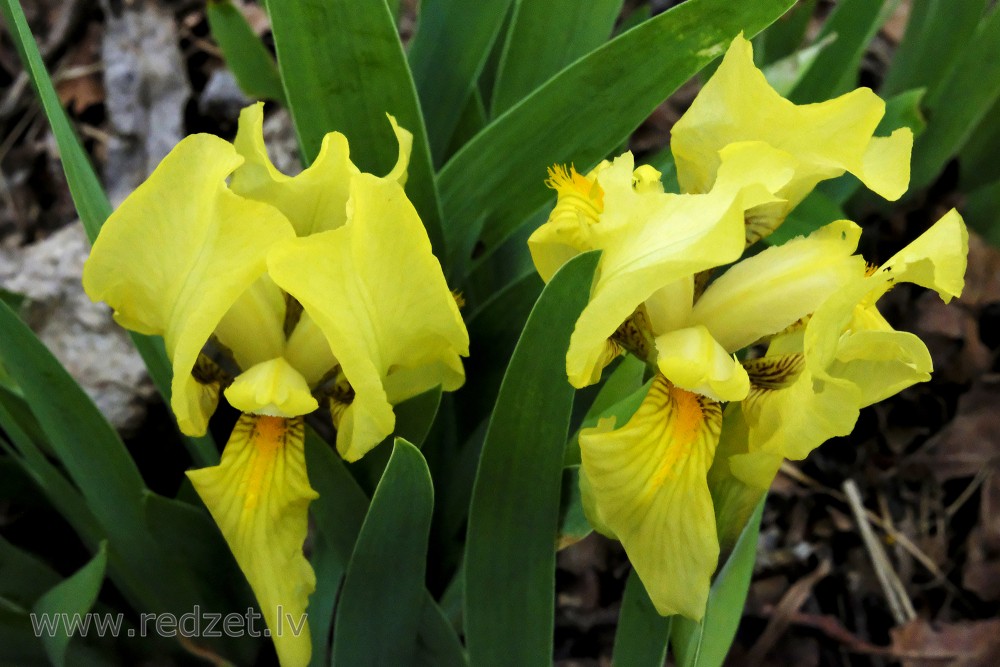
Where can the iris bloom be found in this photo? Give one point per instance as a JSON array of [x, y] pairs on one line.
[[290, 295], [745, 157]]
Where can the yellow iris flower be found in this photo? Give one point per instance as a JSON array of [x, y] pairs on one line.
[[291, 294], [745, 157]]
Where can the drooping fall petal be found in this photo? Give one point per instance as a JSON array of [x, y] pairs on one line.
[[646, 485], [177, 254], [259, 496]]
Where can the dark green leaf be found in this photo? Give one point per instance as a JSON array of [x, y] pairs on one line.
[[835, 70], [936, 34], [960, 103], [251, 63], [493, 331], [103, 470], [71, 597], [57, 489], [383, 595], [497, 180], [980, 211], [785, 74], [23, 577], [329, 574], [978, 162], [530, 55], [785, 35], [192, 541], [706, 644], [344, 68], [339, 512], [815, 211], [447, 54], [12, 299], [513, 519], [573, 524], [472, 120], [643, 635]]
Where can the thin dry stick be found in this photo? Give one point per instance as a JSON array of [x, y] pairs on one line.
[[895, 593], [895, 535]]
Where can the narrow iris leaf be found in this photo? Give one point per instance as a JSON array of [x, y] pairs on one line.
[[340, 512], [344, 68], [247, 58], [785, 35], [497, 180], [103, 470], [530, 55], [960, 103], [73, 596], [936, 34], [49, 479], [448, 52], [493, 331], [88, 196], [706, 644], [835, 70], [23, 577], [382, 599], [977, 159], [643, 635], [513, 519]]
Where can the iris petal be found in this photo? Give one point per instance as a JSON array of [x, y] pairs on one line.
[[693, 360], [316, 199], [177, 254], [259, 496], [824, 139], [766, 293], [646, 485]]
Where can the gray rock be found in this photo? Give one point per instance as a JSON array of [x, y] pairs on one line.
[[81, 334]]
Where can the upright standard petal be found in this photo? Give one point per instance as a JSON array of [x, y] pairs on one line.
[[177, 254], [768, 292], [824, 139], [259, 496], [316, 199], [380, 298], [646, 484]]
